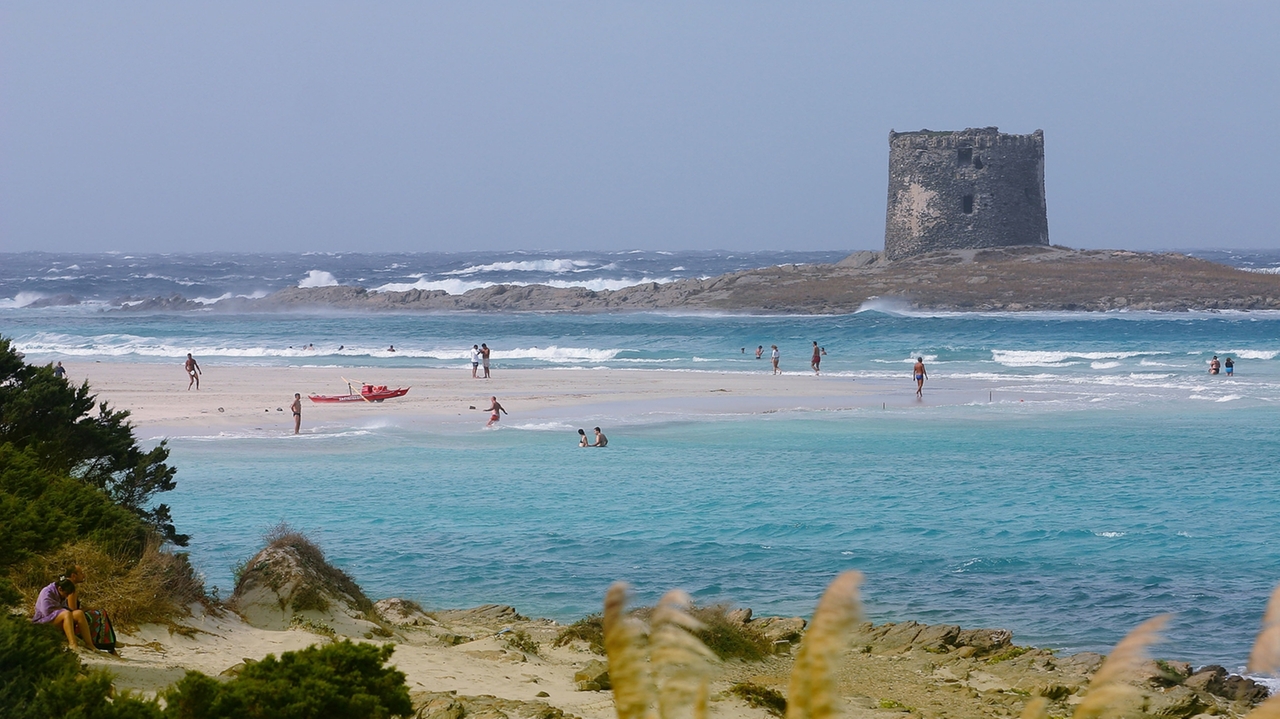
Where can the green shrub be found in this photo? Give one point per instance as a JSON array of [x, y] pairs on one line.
[[771, 700], [729, 639], [337, 681], [589, 629], [520, 641], [69, 434]]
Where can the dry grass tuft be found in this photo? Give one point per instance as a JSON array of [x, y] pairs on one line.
[[625, 643], [680, 660], [157, 587], [1265, 657], [1108, 693], [812, 692]]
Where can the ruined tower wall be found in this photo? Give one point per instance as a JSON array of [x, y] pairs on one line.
[[964, 190]]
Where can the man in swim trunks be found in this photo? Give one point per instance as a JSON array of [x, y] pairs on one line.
[[920, 376], [193, 371], [1229, 366], [297, 411], [601, 440], [494, 409], [475, 360], [484, 358], [759, 351], [1214, 365], [817, 358]]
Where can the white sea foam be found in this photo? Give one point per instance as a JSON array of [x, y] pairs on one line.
[[552, 266], [458, 287], [22, 299], [1104, 365], [1253, 354], [318, 278], [1042, 358], [1109, 535], [1263, 270]]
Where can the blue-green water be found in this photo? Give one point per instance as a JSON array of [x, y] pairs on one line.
[[1130, 483], [1067, 526]]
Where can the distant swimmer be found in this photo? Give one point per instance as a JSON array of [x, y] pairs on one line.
[[59, 371], [193, 371], [341, 347], [582, 438], [920, 376], [816, 362], [475, 360], [775, 356], [601, 440], [1214, 365], [297, 411], [392, 348], [494, 409], [759, 351], [1229, 366]]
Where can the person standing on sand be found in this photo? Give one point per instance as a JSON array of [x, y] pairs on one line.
[[817, 357], [494, 409], [297, 411], [920, 376], [484, 358], [59, 371], [193, 371], [601, 440], [1229, 366], [775, 356], [475, 361]]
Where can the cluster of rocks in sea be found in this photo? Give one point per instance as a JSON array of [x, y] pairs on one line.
[[936, 669], [999, 279]]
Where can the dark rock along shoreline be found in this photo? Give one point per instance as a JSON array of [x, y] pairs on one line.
[[1003, 279]]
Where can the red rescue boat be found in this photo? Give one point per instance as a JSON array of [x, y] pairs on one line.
[[368, 393]]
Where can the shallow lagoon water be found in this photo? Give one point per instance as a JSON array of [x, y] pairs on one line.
[[1067, 526]]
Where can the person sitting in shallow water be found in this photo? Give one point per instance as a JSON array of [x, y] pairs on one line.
[[582, 438]]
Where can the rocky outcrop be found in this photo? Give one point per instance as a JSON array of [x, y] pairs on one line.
[[1002, 279], [289, 583], [404, 613], [449, 705]]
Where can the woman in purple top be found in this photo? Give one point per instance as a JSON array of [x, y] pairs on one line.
[[51, 608]]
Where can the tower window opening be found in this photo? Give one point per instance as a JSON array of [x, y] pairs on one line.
[[964, 156], [966, 204], [977, 162]]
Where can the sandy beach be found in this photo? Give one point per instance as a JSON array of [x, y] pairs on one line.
[[233, 397]]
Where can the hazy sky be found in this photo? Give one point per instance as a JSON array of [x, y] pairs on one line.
[[566, 125]]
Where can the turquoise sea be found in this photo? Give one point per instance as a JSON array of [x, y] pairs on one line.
[[1105, 478]]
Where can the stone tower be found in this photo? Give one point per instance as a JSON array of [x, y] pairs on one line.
[[963, 190]]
